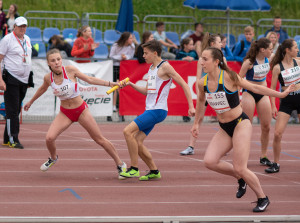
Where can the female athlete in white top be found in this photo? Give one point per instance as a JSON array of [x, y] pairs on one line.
[[73, 108]]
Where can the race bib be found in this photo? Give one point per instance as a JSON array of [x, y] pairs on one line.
[[291, 76], [63, 91], [261, 71], [151, 84], [218, 101]]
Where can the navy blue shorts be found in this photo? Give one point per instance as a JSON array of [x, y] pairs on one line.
[[149, 119]]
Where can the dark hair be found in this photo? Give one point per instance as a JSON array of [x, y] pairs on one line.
[[158, 24], [262, 43], [59, 40], [281, 51], [123, 38], [222, 36], [185, 41], [81, 30], [218, 55], [15, 11], [146, 36], [277, 17], [198, 23], [154, 46], [208, 39]]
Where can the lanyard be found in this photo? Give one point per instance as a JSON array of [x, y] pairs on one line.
[[22, 45]]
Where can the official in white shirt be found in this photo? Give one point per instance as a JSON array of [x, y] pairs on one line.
[[15, 58]]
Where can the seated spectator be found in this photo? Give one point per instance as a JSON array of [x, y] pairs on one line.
[[272, 36], [57, 42], [187, 51], [241, 48], [123, 49], [160, 35], [281, 33], [84, 45], [197, 37], [10, 18], [225, 49], [147, 36]]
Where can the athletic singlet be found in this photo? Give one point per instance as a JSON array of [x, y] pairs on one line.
[[158, 90], [289, 76], [258, 72], [222, 99], [67, 89]]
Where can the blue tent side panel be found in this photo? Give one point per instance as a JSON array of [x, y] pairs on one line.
[[125, 18]]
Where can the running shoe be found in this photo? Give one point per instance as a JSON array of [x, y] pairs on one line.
[[150, 176], [121, 169], [130, 173], [265, 161], [16, 145], [241, 189], [188, 151], [273, 169], [5, 143], [45, 166], [262, 204]]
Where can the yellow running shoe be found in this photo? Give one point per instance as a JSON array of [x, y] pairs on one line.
[[130, 173], [150, 176]]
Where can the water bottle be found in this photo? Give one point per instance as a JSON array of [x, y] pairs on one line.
[[70, 36]]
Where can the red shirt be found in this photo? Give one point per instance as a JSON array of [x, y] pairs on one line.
[[79, 51], [197, 38]]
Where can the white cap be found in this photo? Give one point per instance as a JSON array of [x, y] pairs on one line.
[[20, 21]]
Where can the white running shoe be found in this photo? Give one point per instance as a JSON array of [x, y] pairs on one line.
[[45, 166], [188, 151], [122, 168]]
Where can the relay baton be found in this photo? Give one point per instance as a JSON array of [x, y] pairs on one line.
[[117, 86]]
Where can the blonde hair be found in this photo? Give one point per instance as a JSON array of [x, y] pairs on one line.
[[249, 29], [272, 33]]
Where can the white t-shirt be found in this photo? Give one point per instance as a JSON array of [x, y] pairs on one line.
[[14, 53]]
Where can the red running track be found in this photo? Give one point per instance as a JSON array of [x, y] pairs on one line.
[[187, 188]]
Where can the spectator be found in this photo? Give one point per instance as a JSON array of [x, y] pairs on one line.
[[2, 18], [187, 51], [225, 49], [15, 55], [197, 37], [241, 48], [57, 42], [123, 49], [160, 35], [84, 45], [147, 36], [282, 34], [10, 18], [272, 36]]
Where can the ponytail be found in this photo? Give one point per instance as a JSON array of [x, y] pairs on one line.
[[281, 51], [262, 43]]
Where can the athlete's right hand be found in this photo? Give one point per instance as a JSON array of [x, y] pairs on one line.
[[27, 106], [2, 85], [274, 112], [195, 130]]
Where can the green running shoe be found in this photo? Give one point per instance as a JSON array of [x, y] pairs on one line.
[[150, 176], [130, 173]]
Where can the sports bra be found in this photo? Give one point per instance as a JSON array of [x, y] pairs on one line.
[[258, 72], [289, 76], [222, 99], [67, 89]]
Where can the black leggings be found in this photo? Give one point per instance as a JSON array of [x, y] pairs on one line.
[[229, 127]]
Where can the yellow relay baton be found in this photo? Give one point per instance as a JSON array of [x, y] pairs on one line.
[[116, 87]]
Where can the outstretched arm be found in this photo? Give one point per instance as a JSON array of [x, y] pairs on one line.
[[40, 91]]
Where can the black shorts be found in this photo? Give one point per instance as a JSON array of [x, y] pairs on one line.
[[290, 103], [256, 97], [116, 73], [229, 127]]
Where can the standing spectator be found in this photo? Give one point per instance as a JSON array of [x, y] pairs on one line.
[[272, 36], [57, 42], [123, 49], [2, 18], [10, 18], [15, 55], [187, 53], [241, 48], [282, 34], [160, 35], [84, 46], [197, 37], [225, 49], [147, 36]]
